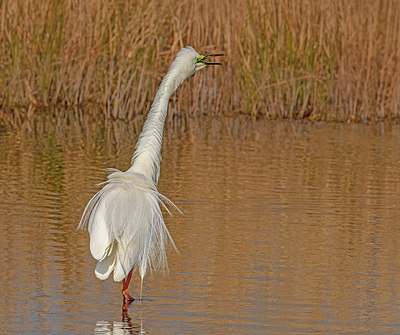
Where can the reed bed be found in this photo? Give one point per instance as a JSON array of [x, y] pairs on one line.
[[317, 59]]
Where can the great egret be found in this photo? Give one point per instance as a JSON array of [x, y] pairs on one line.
[[124, 219]]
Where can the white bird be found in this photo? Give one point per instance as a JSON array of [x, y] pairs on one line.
[[124, 219]]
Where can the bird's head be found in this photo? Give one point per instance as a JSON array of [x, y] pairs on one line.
[[189, 61]]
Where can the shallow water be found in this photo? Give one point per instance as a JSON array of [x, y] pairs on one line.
[[288, 228]]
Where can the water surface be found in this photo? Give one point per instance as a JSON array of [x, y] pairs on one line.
[[288, 228]]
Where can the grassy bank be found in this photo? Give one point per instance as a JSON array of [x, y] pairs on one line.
[[326, 60]]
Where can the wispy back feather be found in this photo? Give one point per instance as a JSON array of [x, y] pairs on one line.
[[126, 226]]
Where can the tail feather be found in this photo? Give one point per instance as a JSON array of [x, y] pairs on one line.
[[126, 226]]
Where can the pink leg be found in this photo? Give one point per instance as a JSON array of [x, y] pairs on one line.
[[125, 283]]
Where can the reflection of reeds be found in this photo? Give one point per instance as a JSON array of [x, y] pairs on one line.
[[319, 59]]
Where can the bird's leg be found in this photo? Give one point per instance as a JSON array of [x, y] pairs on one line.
[[125, 283]]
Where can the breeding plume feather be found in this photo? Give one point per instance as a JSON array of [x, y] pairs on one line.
[[124, 219]]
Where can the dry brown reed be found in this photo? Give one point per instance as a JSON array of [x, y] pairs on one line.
[[318, 59]]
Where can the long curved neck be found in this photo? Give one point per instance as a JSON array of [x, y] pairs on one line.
[[147, 156]]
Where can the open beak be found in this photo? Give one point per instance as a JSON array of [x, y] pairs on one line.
[[204, 60]]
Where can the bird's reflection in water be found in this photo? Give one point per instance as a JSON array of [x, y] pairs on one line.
[[125, 326]]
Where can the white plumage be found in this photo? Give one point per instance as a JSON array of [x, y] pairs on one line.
[[126, 226], [124, 219]]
